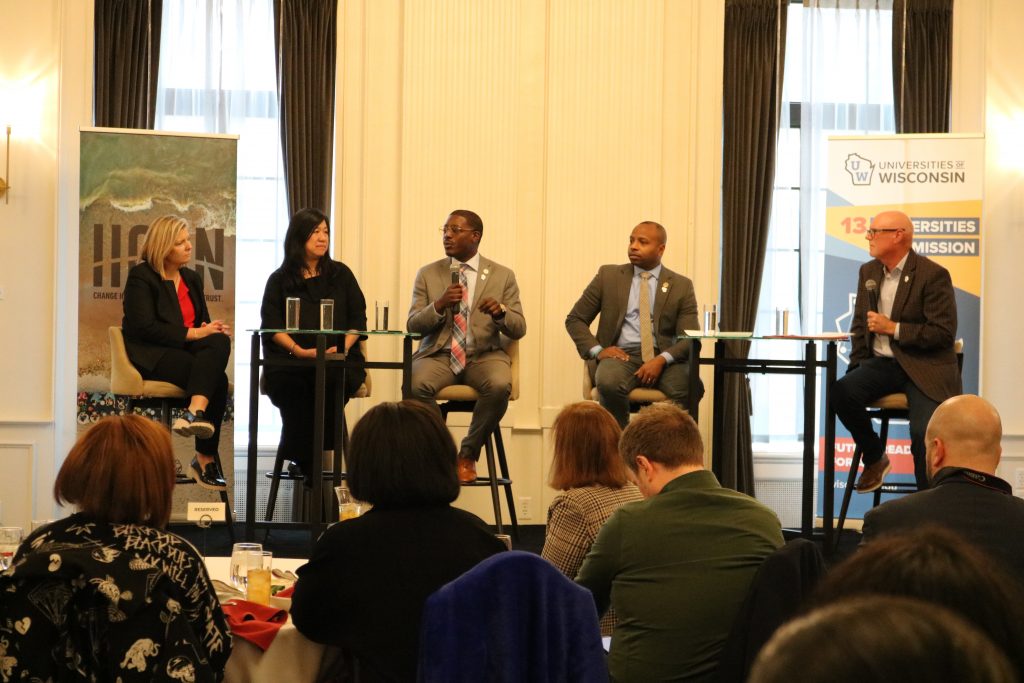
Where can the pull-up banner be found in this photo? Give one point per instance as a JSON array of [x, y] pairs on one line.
[[937, 181]]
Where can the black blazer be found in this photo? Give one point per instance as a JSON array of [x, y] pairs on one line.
[[152, 321], [980, 507]]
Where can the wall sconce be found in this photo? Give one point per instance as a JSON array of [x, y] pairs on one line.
[[7, 170]]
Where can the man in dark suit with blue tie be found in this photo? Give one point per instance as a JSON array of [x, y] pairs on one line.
[[644, 308]]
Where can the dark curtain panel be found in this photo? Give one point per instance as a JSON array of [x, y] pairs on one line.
[[922, 64], [755, 40], [305, 33], [127, 58]]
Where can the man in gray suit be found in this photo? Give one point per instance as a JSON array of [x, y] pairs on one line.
[[462, 305], [633, 349], [902, 336]]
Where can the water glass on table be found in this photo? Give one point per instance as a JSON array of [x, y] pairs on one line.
[[258, 573], [239, 567], [10, 539]]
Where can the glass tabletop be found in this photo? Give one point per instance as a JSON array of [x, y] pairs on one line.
[[368, 333], [722, 334]]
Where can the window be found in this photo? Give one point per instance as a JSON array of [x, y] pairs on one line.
[[838, 81], [217, 75]]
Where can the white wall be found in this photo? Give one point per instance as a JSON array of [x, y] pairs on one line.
[[561, 133]]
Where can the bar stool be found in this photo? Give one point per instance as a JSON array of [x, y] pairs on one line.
[[889, 407], [279, 473], [126, 380], [638, 397], [461, 398]]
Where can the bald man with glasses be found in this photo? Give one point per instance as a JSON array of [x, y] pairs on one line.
[[902, 335]]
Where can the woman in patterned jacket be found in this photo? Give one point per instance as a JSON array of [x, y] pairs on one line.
[[107, 594], [593, 481]]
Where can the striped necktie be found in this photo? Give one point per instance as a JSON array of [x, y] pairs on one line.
[[459, 322]]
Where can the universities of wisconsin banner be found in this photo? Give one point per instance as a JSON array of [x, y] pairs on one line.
[[128, 179], [937, 181]]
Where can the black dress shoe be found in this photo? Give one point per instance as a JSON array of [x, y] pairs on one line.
[[208, 477], [193, 424]]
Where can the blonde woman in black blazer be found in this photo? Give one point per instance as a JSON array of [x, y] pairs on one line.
[[169, 337]]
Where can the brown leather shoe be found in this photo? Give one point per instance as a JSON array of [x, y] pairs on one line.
[[467, 470], [873, 475]]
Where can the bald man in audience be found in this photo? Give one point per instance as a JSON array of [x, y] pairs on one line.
[[677, 566], [963, 453]]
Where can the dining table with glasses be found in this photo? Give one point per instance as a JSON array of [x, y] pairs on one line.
[[316, 523], [806, 366], [290, 656]]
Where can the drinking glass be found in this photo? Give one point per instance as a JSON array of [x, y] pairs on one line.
[[348, 507], [326, 314], [239, 568], [291, 313], [10, 539], [258, 572]]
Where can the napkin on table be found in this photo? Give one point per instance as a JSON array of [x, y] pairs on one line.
[[254, 622]]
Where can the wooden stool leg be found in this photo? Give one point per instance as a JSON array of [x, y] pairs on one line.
[[850, 481], [275, 482], [503, 467]]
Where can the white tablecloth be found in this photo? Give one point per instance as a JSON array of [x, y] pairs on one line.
[[291, 657]]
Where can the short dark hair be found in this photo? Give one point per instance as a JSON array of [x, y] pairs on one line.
[[937, 565], [474, 220], [662, 233], [121, 470], [300, 227], [663, 433], [877, 639], [402, 455], [586, 448]]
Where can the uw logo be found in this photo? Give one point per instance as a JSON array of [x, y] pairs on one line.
[[116, 249], [860, 169]]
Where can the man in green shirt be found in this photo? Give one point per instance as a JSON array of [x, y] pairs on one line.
[[676, 566]]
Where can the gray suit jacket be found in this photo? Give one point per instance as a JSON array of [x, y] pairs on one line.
[[493, 280], [675, 310], [925, 308]]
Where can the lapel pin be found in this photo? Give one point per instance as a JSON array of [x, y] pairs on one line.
[[906, 278], [664, 287]]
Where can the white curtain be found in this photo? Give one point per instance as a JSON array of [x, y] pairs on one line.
[[838, 80], [217, 75]]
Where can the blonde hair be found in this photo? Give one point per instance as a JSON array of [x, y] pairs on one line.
[[159, 241]]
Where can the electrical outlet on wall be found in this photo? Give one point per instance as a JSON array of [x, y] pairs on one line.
[[525, 507]]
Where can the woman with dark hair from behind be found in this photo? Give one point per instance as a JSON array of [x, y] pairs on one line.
[[309, 274], [591, 476], [365, 584], [879, 639], [941, 567], [107, 594]]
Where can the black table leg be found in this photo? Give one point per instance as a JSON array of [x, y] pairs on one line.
[[810, 393], [316, 504], [829, 452], [250, 471], [718, 420]]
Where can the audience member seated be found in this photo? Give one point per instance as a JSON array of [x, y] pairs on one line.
[[593, 482], [675, 567], [876, 639], [941, 567], [963, 452], [107, 594], [169, 337], [309, 274], [364, 587]]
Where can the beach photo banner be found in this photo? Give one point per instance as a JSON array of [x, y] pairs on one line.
[[128, 179], [938, 181]]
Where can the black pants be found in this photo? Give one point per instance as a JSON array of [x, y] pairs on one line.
[[199, 370], [869, 381], [293, 391]]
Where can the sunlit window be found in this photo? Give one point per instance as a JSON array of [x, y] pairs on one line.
[[217, 75]]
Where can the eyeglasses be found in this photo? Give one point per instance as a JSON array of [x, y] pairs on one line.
[[453, 230], [871, 232]]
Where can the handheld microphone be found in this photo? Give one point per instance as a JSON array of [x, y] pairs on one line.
[[454, 269], [872, 287]]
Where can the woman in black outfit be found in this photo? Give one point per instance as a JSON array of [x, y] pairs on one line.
[[310, 274], [169, 337], [364, 586]]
